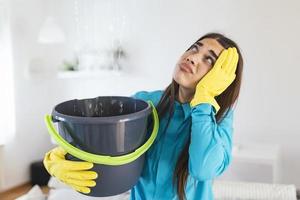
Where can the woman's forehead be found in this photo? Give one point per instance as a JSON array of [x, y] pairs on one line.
[[211, 44]]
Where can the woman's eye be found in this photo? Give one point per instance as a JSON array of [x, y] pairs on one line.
[[209, 60], [194, 48]]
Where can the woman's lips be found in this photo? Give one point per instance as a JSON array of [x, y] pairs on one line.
[[185, 67]]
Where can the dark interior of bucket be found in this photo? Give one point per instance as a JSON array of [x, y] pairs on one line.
[[101, 106]]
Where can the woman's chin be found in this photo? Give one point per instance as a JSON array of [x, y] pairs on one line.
[[181, 79]]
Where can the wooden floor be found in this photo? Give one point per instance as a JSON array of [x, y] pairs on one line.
[[19, 191]]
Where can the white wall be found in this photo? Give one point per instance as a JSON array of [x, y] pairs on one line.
[[157, 34]]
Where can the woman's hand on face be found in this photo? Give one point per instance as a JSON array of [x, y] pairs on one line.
[[217, 79]]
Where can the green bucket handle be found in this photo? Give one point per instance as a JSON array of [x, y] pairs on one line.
[[101, 159]]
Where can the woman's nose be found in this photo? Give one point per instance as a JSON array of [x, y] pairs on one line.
[[190, 60]]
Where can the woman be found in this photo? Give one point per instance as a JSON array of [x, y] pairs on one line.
[[194, 142]]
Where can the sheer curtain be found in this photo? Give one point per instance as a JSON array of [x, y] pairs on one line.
[[7, 102]]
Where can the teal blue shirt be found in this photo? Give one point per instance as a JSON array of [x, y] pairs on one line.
[[209, 152]]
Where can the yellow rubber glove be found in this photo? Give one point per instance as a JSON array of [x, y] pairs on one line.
[[217, 79], [72, 173]]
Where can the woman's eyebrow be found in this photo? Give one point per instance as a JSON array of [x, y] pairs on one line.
[[210, 51], [199, 43], [213, 54]]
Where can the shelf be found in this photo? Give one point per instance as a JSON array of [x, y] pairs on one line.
[[259, 153], [254, 162], [87, 74]]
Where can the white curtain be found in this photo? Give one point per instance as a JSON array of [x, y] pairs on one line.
[[7, 102]]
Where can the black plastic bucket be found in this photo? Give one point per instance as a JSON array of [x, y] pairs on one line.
[[110, 131]]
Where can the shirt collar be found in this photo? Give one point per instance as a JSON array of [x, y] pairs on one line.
[[185, 107]]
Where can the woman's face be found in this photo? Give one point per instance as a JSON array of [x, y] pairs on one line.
[[196, 62]]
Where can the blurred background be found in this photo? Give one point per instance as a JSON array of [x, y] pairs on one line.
[[52, 51]]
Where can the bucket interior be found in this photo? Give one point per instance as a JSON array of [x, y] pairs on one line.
[[101, 107]]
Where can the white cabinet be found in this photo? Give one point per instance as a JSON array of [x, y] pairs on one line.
[[254, 163]]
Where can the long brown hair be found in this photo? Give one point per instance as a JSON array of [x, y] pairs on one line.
[[226, 100]]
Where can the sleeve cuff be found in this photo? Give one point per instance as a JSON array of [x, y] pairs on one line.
[[205, 100], [205, 108]]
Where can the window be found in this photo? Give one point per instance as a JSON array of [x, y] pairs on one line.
[[7, 102]]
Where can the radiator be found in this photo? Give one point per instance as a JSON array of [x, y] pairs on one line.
[[227, 190]]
